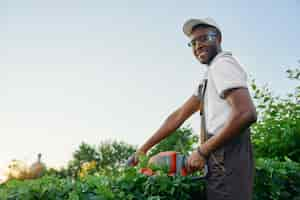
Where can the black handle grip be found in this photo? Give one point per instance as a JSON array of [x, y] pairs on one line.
[[131, 161], [197, 178]]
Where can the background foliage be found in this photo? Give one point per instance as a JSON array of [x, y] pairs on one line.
[[277, 133], [182, 140]]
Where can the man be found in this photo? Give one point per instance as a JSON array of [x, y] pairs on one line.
[[229, 112]]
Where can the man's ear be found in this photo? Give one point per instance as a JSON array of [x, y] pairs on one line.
[[219, 39]]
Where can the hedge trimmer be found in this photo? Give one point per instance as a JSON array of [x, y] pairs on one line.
[[175, 163]]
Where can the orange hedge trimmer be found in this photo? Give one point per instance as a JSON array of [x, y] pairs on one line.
[[175, 162]]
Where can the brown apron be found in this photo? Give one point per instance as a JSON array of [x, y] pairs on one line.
[[230, 167], [231, 177]]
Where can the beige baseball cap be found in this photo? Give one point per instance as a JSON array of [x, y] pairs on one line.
[[189, 24]]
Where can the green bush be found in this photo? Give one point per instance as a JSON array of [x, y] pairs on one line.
[[277, 180], [277, 132], [276, 135], [127, 185], [274, 180]]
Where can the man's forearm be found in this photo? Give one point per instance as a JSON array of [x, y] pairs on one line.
[[170, 125], [235, 124]]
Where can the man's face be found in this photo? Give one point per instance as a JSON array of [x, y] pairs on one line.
[[205, 44]]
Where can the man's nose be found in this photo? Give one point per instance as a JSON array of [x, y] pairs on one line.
[[198, 45]]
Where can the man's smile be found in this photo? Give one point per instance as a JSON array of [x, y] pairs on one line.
[[202, 54]]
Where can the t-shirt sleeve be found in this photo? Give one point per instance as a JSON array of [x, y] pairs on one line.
[[227, 74]]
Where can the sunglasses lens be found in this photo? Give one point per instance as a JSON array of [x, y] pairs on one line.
[[211, 36]]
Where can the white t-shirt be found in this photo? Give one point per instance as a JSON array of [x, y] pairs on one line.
[[222, 74]]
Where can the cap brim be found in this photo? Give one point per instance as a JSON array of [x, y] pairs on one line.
[[191, 23], [188, 25]]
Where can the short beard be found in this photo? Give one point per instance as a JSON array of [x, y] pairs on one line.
[[214, 52]]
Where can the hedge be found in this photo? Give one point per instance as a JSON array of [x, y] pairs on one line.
[[274, 180]]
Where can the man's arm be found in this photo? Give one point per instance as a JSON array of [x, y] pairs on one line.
[[172, 123], [242, 115]]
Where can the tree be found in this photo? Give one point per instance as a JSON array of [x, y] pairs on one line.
[[109, 155], [114, 153], [182, 140], [85, 153]]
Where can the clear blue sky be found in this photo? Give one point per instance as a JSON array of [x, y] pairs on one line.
[[90, 70]]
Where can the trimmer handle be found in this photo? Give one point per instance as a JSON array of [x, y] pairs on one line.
[[131, 161], [197, 178]]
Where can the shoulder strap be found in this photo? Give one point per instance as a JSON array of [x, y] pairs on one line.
[[203, 133], [201, 92]]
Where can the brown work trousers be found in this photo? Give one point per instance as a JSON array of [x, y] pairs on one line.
[[231, 170]]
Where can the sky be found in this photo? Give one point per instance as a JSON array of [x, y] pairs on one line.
[[75, 71]]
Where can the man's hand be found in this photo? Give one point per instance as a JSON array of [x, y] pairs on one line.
[[133, 160], [195, 162]]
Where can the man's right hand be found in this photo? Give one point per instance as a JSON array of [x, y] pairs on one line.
[[133, 160]]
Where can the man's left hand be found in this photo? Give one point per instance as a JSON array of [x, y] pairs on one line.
[[195, 162]]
